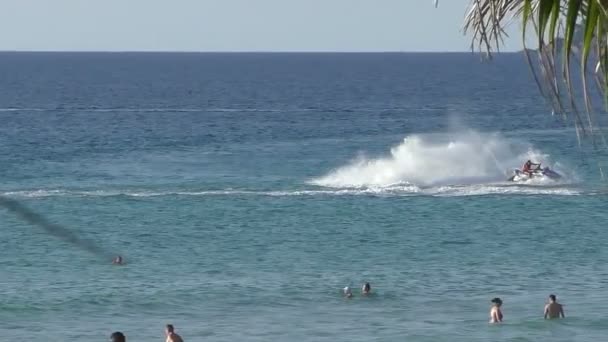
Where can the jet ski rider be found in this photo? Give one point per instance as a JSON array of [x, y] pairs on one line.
[[527, 168]]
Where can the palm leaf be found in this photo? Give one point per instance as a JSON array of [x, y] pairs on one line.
[[566, 30]]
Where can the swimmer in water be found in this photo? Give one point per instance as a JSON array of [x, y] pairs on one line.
[[171, 335], [347, 292], [118, 337], [495, 313], [117, 260], [366, 289], [554, 309]]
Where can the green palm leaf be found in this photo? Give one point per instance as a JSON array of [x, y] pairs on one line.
[[566, 30]]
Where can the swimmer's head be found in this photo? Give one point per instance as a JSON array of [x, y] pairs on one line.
[[552, 297], [497, 301], [118, 337], [348, 292], [169, 328], [367, 288]]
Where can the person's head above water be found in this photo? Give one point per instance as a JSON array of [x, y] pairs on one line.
[[117, 336], [552, 298], [497, 301], [348, 292], [367, 288], [169, 328], [117, 260]]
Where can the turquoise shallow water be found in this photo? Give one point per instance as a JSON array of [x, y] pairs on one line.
[[245, 191]]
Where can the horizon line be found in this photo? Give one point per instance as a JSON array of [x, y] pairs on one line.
[[259, 51]]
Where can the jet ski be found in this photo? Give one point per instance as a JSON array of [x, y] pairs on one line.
[[546, 172]]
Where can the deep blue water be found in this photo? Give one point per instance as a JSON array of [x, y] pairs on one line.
[[246, 190]]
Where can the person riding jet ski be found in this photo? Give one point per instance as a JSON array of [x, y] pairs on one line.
[[529, 167], [532, 170]]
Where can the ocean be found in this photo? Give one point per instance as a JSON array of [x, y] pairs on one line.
[[244, 191]]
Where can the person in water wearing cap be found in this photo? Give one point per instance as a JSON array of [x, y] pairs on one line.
[[495, 313], [348, 293], [366, 289], [553, 309]]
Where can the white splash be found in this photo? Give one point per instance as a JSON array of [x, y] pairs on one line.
[[442, 165], [435, 160]]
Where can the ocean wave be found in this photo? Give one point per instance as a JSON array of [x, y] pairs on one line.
[[10, 109], [228, 192], [389, 191], [482, 190]]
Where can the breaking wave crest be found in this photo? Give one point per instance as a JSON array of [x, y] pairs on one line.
[[392, 191]]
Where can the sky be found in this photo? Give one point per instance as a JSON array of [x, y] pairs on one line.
[[236, 25]]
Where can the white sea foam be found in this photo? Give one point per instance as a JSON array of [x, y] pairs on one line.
[[392, 191], [465, 164], [434, 161]]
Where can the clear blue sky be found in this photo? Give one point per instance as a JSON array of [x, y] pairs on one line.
[[235, 25]]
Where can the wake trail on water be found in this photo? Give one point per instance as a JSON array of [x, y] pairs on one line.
[[439, 161]]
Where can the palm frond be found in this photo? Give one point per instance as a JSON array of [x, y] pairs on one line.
[[566, 31]]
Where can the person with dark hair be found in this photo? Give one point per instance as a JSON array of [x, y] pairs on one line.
[[530, 167], [117, 336], [366, 289], [553, 309], [495, 312], [171, 335], [117, 260]]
